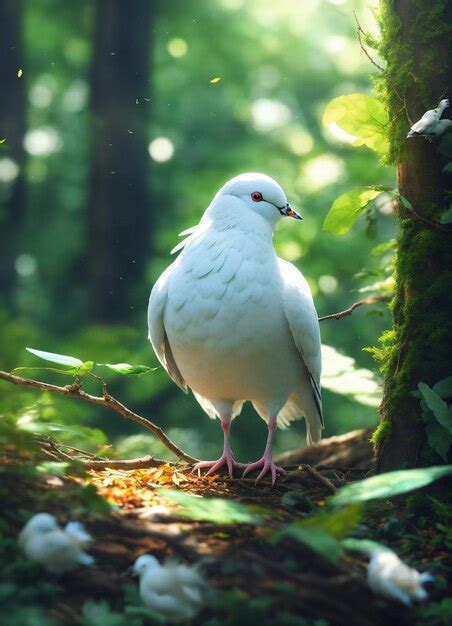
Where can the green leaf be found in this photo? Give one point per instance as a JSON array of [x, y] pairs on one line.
[[366, 546], [315, 538], [216, 510], [438, 407], [61, 359], [345, 209], [384, 247], [444, 387], [57, 468], [128, 370], [446, 217], [405, 202], [84, 368], [336, 523], [389, 484], [438, 439], [362, 116]]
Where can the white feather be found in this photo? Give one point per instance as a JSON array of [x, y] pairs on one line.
[[231, 321], [175, 590], [388, 576], [58, 550]]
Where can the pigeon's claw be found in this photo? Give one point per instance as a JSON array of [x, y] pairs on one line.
[[265, 464], [227, 458]]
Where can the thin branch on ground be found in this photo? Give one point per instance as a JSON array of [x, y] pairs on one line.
[[107, 400], [90, 462], [355, 305]]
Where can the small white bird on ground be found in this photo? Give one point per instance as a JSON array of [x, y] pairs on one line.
[[431, 124], [388, 576], [175, 590], [58, 549], [233, 322]]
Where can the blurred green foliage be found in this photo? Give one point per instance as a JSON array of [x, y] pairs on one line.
[[279, 65]]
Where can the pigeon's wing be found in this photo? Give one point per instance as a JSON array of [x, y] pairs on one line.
[[157, 332], [426, 123], [189, 234], [304, 325]]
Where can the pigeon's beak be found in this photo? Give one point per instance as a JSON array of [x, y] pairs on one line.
[[287, 210]]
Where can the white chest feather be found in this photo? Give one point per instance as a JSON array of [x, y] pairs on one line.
[[225, 318]]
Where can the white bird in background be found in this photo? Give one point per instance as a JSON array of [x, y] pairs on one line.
[[431, 124], [58, 549], [175, 590], [388, 576], [233, 322]]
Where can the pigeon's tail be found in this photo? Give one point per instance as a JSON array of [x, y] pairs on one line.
[[85, 559], [313, 429], [78, 534]]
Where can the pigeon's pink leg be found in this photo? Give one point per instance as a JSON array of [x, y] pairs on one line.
[[227, 458], [266, 462]]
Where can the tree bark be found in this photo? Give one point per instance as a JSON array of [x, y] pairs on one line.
[[118, 220], [416, 46], [12, 130]]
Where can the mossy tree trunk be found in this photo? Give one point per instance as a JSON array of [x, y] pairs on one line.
[[416, 47]]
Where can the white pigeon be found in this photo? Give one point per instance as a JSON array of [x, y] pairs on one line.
[[58, 549], [175, 590], [388, 576], [431, 124], [233, 322]]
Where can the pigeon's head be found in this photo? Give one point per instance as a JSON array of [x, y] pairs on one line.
[[261, 194], [443, 104], [145, 563], [41, 523]]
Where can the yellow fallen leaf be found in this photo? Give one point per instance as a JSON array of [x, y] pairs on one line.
[[215, 80], [19, 73], [3, 140]]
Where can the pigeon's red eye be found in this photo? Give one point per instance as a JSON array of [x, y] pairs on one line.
[[257, 196]]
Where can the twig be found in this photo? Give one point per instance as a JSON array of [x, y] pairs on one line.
[[107, 400], [445, 228], [323, 479], [91, 463], [360, 31], [355, 305]]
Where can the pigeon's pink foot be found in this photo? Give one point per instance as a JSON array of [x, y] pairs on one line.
[[267, 465], [227, 458]]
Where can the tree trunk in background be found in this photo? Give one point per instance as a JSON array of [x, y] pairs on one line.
[[119, 208], [12, 129], [416, 46]]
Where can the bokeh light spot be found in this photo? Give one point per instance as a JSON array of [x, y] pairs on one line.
[[177, 47], [269, 114], [25, 265], [42, 141], [327, 284], [9, 170], [161, 149]]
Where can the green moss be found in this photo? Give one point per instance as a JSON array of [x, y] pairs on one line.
[[406, 74], [381, 433], [415, 349]]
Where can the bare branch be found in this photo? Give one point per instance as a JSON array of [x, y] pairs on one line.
[[107, 400], [355, 305], [360, 31], [445, 228]]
